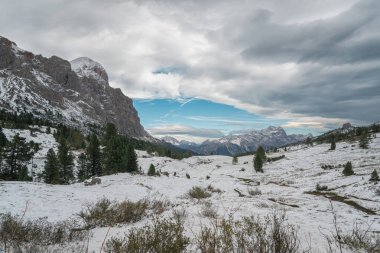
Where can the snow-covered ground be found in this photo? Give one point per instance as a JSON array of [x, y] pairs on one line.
[[283, 184]]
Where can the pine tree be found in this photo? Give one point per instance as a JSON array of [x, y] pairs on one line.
[[3, 139], [115, 155], [348, 171], [258, 163], [364, 140], [234, 160], [152, 170], [16, 153], [309, 141], [51, 169], [374, 176], [48, 130], [110, 131], [131, 159], [94, 156], [23, 175], [3, 143], [261, 152], [84, 169], [333, 144], [66, 162]]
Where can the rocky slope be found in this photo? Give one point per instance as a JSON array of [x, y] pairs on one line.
[[239, 143], [76, 93]]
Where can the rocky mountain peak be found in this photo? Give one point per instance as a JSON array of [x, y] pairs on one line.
[[85, 67], [75, 93]]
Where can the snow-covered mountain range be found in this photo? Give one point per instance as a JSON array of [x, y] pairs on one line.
[[75, 93], [240, 142]]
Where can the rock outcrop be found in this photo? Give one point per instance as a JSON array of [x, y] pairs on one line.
[[76, 93]]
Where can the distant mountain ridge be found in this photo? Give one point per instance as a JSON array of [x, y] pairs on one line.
[[75, 93], [235, 143]]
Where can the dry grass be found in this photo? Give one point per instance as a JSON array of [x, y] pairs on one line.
[[208, 210], [267, 235], [108, 213], [17, 235], [162, 236], [198, 193]]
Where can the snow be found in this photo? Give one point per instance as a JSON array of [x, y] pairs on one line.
[[45, 140], [285, 180], [85, 67]]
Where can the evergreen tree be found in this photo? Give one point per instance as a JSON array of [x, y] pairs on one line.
[[152, 170], [115, 155], [110, 131], [333, 144], [258, 163], [261, 152], [23, 175], [364, 140], [66, 162], [3, 143], [348, 171], [374, 176], [16, 153], [94, 156], [48, 130], [309, 141], [84, 169], [131, 159], [51, 169], [3, 139], [234, 160]]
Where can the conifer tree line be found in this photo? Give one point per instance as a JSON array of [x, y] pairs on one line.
[[361, 134], [102, 152], [108, 154]]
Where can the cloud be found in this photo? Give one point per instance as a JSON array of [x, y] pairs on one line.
[[307, 61], [173, 130]]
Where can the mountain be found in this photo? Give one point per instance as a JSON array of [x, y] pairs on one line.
[[241, 142], [75, 93]]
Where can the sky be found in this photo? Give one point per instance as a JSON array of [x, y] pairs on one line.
[[201, 69]]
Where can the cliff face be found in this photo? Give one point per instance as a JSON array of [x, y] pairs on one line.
[[76, 93]]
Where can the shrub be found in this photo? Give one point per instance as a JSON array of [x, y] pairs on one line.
[[17, 235], [250, 234], [158, 206], [273, 159], [321, 187], [198, 193], [152, 170], [212, 189], [209, 211], [254, 192], [160, 237], [358, 239], [348, 171], [374, 176], [234, 160], [107, 213]]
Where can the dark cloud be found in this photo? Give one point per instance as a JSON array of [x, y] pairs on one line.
[[304, 60]]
